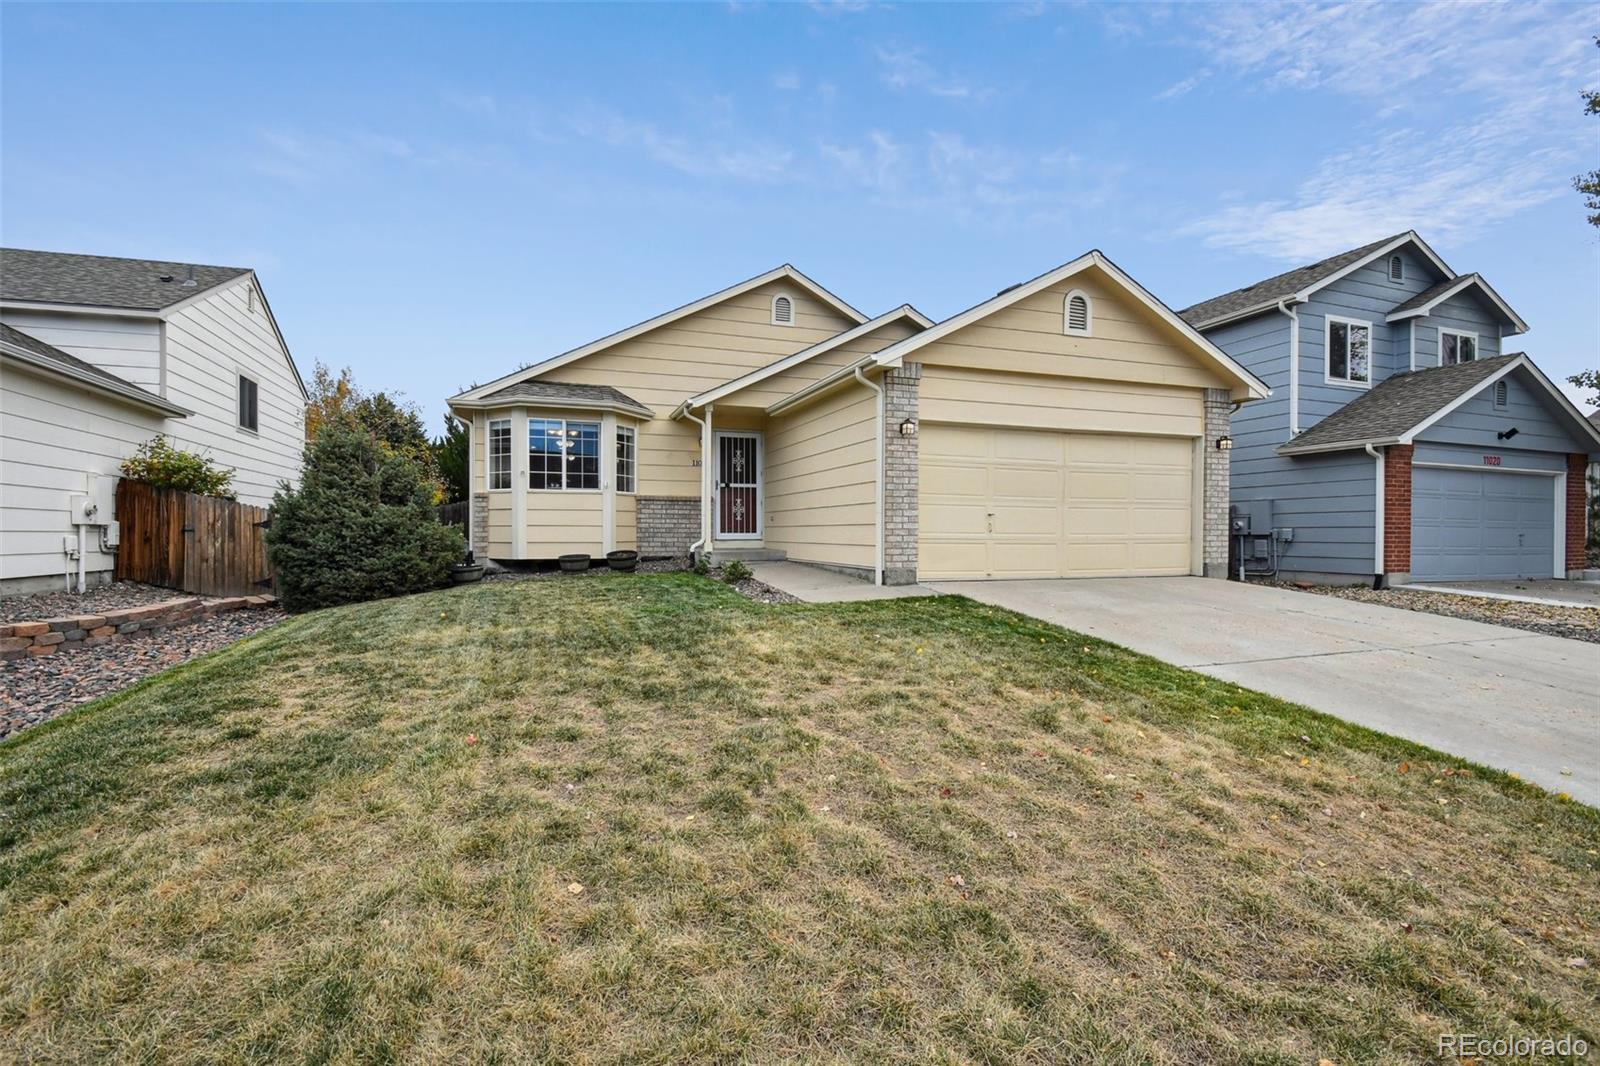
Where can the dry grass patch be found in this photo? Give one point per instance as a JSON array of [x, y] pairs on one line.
[[641, 819]]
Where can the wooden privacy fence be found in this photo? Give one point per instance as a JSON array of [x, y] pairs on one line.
[[199, 544], [453, 514]]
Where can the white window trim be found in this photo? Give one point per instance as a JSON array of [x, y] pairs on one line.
[[1066, 314], [599, 440], [1327, 352], [1477, 352], [239, 427], [488, 456], [794, 308], [633, 438]]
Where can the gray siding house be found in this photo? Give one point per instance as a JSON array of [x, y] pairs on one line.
[[1401, 441]]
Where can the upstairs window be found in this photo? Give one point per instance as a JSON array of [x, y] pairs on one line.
[[563, 455], [1078, 314], [1397, 268], [249, 413], [1349, 352], [782, 311], [627, 455], [1456, 347], [500, 453]]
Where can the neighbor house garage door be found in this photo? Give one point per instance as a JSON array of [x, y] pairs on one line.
[[1028, 503], [1468, 524]]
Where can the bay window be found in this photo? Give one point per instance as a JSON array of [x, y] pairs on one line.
[[626, 458], [500, 453], [562, 454]]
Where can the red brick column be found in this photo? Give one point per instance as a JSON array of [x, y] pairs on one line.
[[1397, 509], [1577, 478]]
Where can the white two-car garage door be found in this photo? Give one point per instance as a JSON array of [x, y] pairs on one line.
[[1021, 503], [1481, 524]]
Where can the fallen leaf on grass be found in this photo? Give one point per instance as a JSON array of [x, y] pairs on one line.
[[1405, 768], [472, 738], [957, 880], [574, 889]]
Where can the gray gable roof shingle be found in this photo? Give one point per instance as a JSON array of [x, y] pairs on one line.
[[1396, 406], [1277, 287], [51, 356], [556, 392], [104, 281], [1426, 295]]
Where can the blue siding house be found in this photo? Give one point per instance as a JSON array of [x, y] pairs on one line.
[[1401, 441]]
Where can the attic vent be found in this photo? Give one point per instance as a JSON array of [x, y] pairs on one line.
[[189, 281], [167, 278], [782, 311], [1079, 316], [1502, 396], [1397, 268]]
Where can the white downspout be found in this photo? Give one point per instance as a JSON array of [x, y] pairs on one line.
[[1294, 368], [1377, 533], [877, 559], [705, 466]]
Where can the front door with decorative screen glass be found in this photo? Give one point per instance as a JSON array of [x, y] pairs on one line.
[[738, 486]]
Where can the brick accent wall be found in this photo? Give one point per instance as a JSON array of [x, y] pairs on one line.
[[480, 526], [667, 525], [1577, 478], [900, 389], [1219, 414], [1397, 508]]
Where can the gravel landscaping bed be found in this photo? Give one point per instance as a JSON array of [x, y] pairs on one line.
[[1576, 623], [118, 596], [34, 690]]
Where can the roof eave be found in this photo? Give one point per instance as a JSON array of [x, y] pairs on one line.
[[1470, 281], [552, 403], [82, 309], [132, 394], [1289, 450]]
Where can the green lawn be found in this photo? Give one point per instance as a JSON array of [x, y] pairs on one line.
[[637, 819]]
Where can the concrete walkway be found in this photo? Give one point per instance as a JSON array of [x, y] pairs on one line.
[[1518, 701], [816, 585], [1548, 591]]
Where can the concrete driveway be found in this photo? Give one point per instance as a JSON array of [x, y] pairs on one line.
[[1502, 697]]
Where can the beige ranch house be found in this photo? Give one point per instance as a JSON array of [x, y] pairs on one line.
[[1072, 426]]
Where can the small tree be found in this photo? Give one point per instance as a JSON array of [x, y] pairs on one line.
[[160, 464], [450, 459], [361, 526], [1588, 185]]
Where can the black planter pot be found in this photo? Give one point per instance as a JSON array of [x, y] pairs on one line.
[[574, 564], [466, 573], [622, 560]]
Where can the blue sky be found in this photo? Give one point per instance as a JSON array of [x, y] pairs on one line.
[[435, 195]]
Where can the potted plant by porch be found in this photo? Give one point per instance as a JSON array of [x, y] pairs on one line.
[[622, 560], [574, 564]]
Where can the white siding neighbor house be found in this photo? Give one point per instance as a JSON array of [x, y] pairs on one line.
[[99, 355]]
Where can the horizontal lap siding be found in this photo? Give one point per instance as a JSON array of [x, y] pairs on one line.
[[1464, 313], [565, 523], [130, 348], [1477, 424], [53, 437], [821, 480], [771, 390], [952, 394], [210, 343], [500, 542], [666, 366], [627, 522]]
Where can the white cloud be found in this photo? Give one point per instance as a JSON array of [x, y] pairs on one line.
[[786, 80], [1181, 88], [905, 69], [753, 160], [1470, 108]]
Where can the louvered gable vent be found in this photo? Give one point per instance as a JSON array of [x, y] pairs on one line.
[[1077, 313], [782, 311]]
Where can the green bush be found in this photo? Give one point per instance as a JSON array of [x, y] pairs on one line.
[[735, 572], [160, 464], [361, 526], [702, 565]]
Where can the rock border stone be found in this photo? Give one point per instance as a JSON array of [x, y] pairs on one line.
[[74, 632]]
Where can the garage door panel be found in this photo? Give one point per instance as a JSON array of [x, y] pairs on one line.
[[1468, 524], [1004, 502]]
